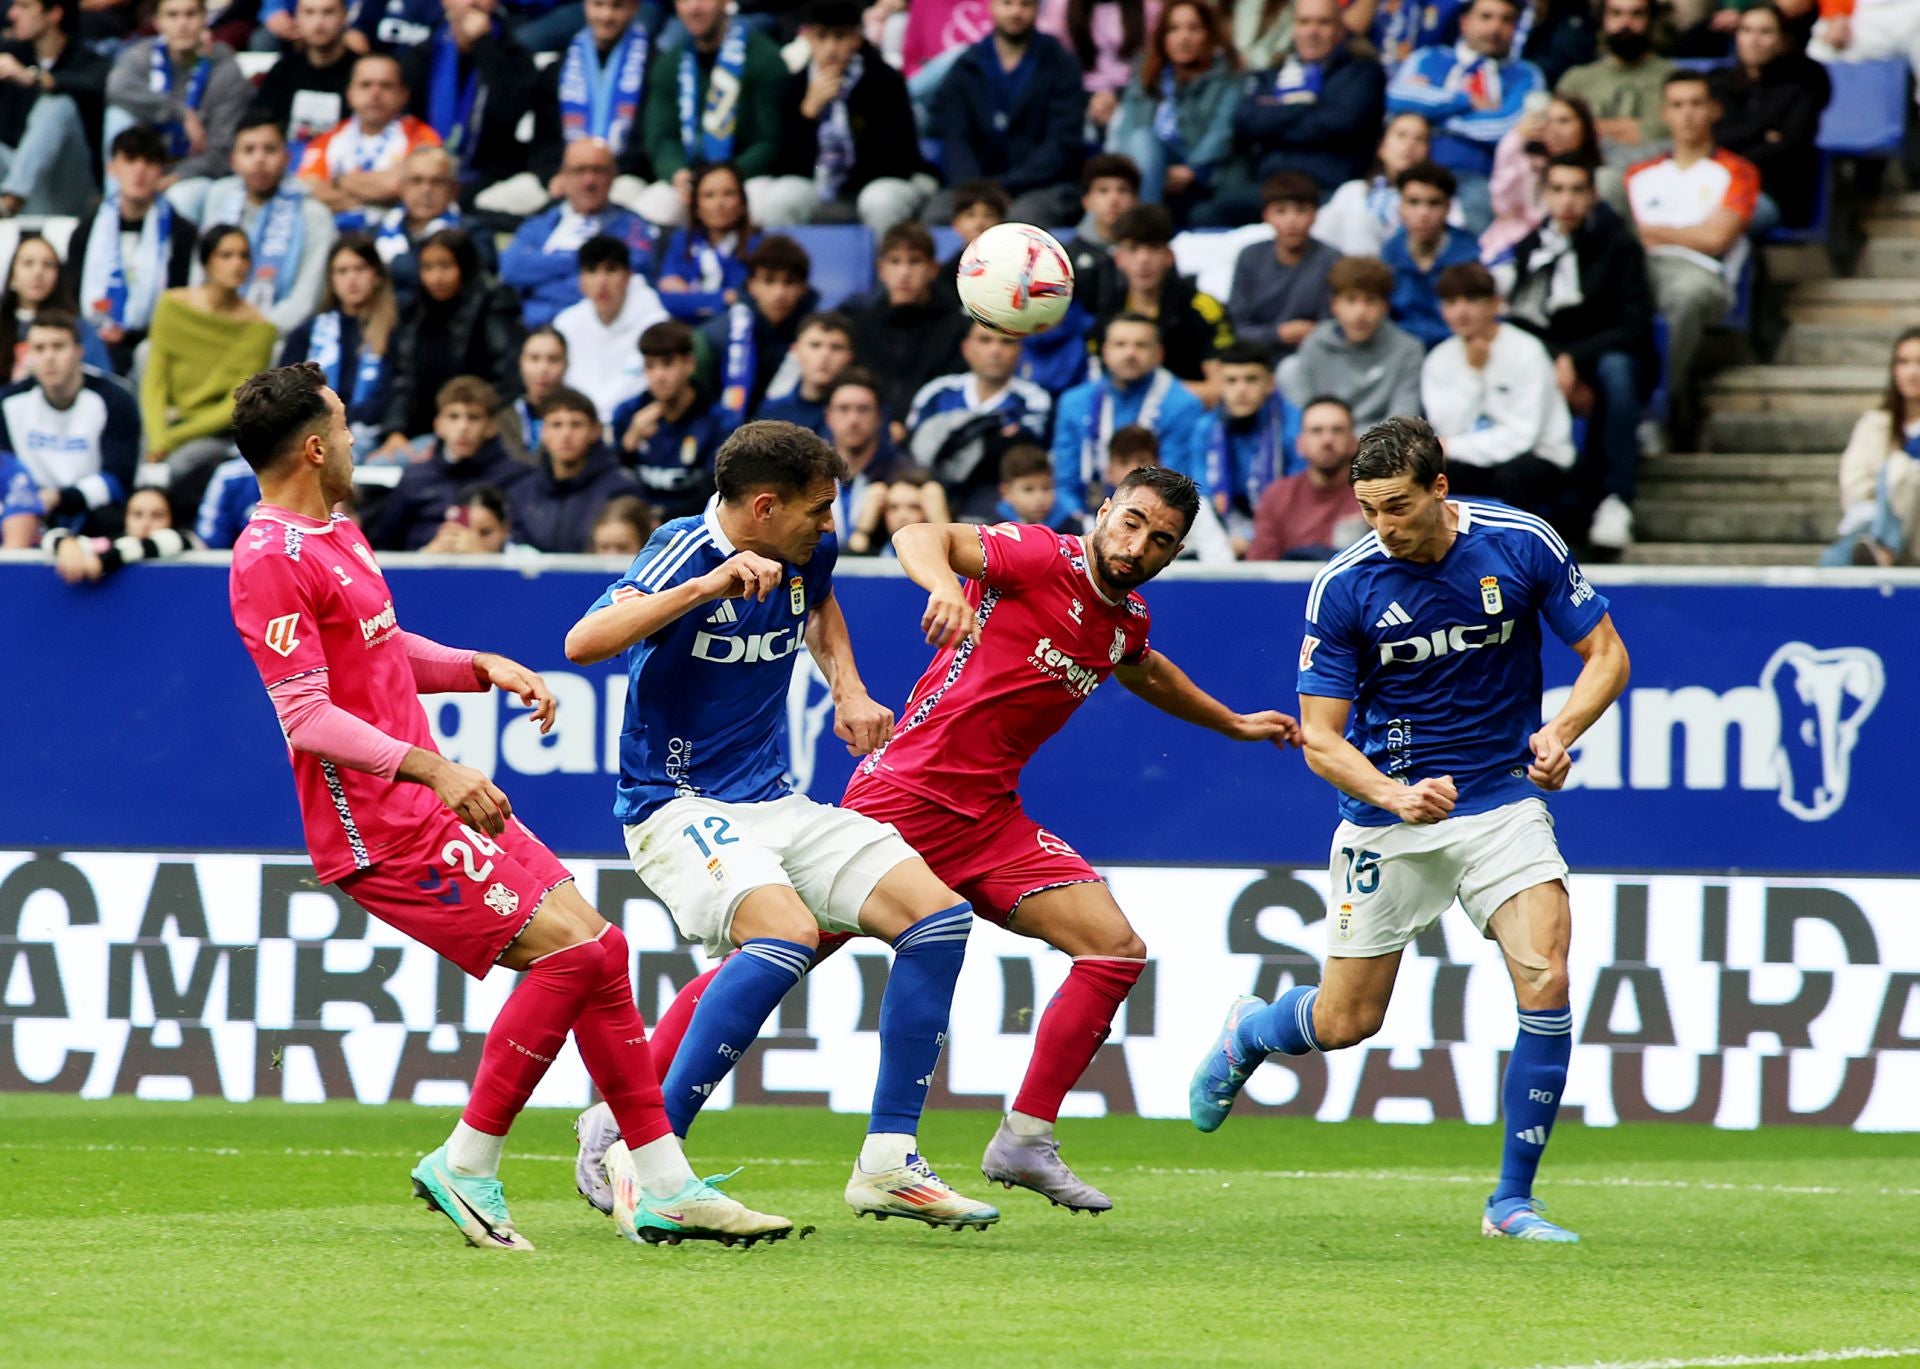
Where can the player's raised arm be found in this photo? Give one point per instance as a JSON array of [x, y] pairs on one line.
[[932, 554], [634, 614], [1603, 678], [1323, 724], [1168, 688], [858, 720]]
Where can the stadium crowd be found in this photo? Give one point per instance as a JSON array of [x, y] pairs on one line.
[[537, 246]]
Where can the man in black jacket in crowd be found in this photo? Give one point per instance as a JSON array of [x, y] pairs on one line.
[[1318, 112], [53, 89], [849, 126], [1580, 286], [1013, 110]]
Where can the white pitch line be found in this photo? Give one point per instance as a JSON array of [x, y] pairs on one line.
[[1370, 1176], [1739, 1361]]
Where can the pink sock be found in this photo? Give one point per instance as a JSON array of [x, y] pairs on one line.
[[613, 1044], [528, 1033], [1072, 1029]]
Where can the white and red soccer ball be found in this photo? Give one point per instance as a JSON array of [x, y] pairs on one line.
[[1016, 279]]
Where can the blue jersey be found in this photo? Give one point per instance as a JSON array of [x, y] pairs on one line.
[[1442, 660], [707, 694]]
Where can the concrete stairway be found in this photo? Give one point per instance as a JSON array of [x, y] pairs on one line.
[[1764, 490]]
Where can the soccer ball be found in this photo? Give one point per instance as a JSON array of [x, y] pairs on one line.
[[1016, 279]]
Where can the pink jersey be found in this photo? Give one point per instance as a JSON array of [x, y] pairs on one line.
[[1048, 637], [307, 597]]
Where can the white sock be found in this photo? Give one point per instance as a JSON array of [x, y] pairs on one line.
[[1020, 1124], [662, 1167], [885, 1150], [474, 1153]]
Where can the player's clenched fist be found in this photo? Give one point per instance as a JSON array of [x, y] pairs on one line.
[[745, 574], [949, 619], [1428, 801], [862, 724], [1551, 763], [1267, 726]]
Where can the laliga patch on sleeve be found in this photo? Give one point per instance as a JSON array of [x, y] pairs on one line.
[[1307, 645], [280, 633]]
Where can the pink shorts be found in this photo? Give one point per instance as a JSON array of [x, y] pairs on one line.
[[461, 893], [992, 861]]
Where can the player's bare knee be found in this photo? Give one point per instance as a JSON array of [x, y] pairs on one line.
[[1122, 943], [1539, 987], [1345, 1027]]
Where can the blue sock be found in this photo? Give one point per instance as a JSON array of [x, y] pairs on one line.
[[913, 1015], [732, 1010], [1285, 1025], [1530, 1097]]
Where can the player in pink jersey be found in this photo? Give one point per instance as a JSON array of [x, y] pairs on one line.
[[1041, 621], [431, 847]]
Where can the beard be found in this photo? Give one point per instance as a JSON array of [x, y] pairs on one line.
[[1629, 46], [1123, 581]]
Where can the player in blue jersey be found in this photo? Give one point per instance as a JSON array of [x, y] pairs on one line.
[[1420, 699], [711, 613]]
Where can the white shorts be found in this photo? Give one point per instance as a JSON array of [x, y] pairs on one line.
[[1391, 883], [701, 857]]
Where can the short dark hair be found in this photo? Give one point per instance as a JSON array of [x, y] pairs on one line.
[[668, 338], [909, 236], [1360, 276], [1466, 280], [1428, 173], [1129, 316], [1024, 459], [64, 319], [548, 330], [974, 194], [212, 236], [1110, 166], [1244, 353], [570, 400], [1684, 76], [603, 250], [1176, 491], [1399, 446], [769, 454], [490, 498], [1144, 225], [832, 320], [399, 67], [140, 143], [778, 255], [1289, 187], [832, 14], [857, 375], [1573, 161], [258, 116], [1134, 440], [1332, 399], [1514, 5], [274, 409]]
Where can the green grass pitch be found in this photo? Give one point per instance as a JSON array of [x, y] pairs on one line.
[[209, 1234]]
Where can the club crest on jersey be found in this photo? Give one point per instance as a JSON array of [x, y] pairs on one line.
[[502, 900], [1119, 647], [366, 558], [1490, 594], [280, 633], [797, 596]]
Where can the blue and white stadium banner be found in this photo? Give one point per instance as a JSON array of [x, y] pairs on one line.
[[1769, 726], [1738, 1001], [1746, 948]]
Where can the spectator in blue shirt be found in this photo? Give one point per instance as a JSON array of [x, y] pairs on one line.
[[1473, 93], [701, 268], [541, 262], [1425, 246], [667, 434], [1134, 391]]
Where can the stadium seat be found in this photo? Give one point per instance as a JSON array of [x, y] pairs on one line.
[[842, 256], [945, 243], [1867, 116]]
